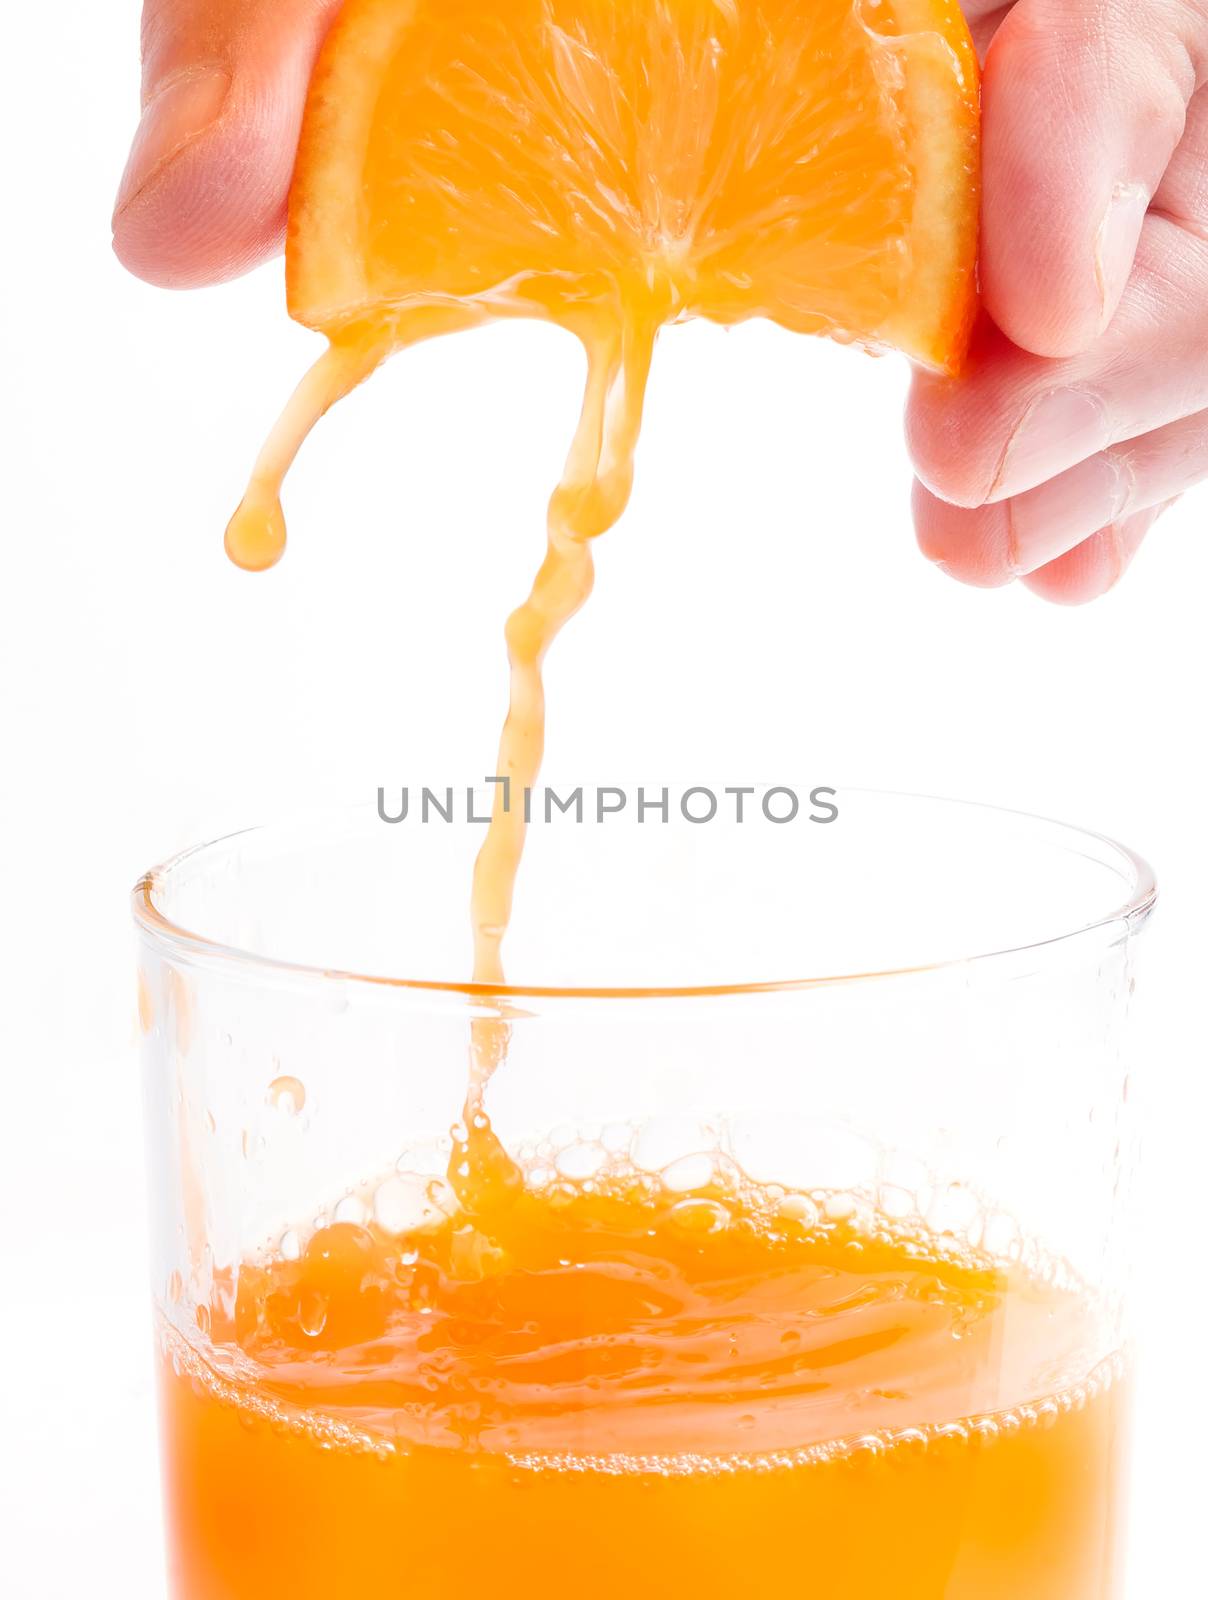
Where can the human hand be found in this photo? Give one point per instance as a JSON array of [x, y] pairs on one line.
[[1083, 413]]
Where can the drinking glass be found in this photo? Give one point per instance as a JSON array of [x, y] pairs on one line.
[[891, 1051]]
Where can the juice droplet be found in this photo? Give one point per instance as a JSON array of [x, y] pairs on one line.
[[312, 1312], [287, 1094], [146, 1003], [255, 535], [181, 1002]]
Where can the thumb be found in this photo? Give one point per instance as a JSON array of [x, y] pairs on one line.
[[1084, 105], [224, 83]]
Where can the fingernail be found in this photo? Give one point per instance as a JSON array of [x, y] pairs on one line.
[[1060, 514], [182, 109], [1116, 245], [1057, 431]]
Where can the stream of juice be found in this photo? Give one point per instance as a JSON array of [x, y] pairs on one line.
[[613, 1388], [618, 335]]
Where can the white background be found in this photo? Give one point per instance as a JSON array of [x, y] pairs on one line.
[[153, 695]]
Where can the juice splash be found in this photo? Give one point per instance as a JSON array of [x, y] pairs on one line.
[[618, 1389]]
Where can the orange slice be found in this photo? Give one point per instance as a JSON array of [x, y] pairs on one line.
[[812, 161], [614, 165]]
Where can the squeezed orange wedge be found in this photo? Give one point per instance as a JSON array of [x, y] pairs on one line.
[[615, 165], [811, 161]]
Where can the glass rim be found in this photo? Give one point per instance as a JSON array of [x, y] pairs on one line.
[[1135, 871]]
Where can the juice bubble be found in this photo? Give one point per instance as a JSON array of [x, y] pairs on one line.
[[580, 1160], [699, 1216], [688, 1173]]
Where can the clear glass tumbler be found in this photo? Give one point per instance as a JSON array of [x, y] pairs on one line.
[[787, 1252]]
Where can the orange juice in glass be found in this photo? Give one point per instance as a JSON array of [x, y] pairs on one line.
[[786, 1253]]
